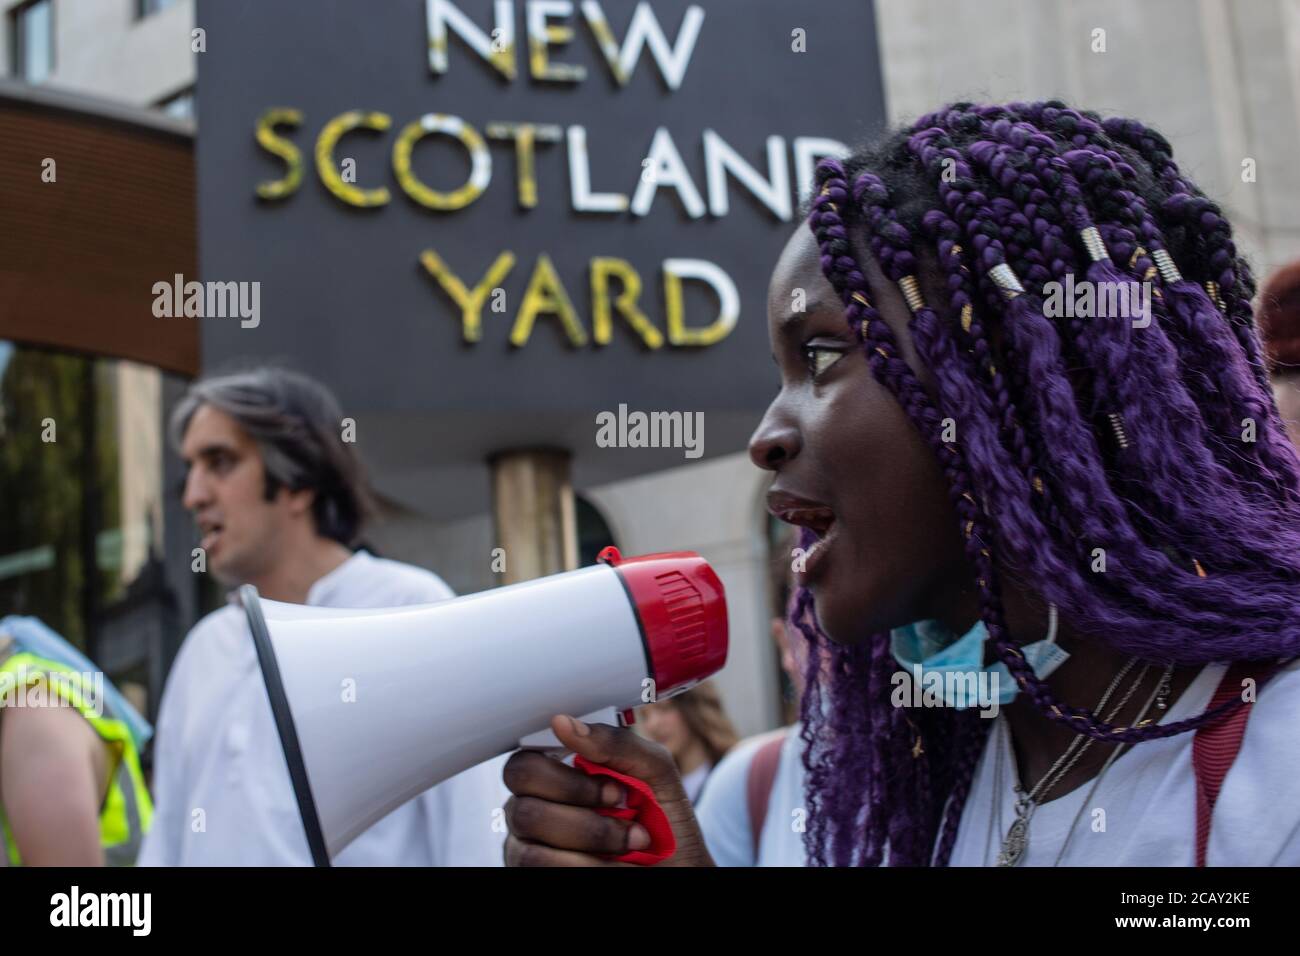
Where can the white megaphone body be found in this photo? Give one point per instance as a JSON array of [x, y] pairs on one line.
[[439, 688]]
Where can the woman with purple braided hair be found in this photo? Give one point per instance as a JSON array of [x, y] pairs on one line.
[[1051, 519]]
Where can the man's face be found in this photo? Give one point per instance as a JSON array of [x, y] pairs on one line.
[[224, 489]]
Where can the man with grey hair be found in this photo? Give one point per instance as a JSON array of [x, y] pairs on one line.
[[279, 499]]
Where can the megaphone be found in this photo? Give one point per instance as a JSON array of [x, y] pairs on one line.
[[439, 688]]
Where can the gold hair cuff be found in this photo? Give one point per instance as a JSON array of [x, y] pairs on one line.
[[1165, 263], [1093, 243], [912, 293], [1212, 289]]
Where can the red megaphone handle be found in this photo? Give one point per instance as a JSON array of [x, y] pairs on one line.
[[643, 808]]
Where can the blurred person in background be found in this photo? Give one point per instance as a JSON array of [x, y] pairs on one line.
[[71, 788], [695, 729], [280, 500], [1279, 326], [752, 813]]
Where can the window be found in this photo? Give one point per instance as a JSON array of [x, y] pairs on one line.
[[81, 462], [144, 8], [84, 511], [31, 28], [180, 105]]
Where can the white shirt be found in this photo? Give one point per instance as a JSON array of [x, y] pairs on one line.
[[723, 810], [694, 781], [221, 784], [1147, 799]]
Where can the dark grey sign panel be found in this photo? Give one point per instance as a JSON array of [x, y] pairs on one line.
[[351, 294]]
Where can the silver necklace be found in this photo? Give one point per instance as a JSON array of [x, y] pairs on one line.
[[1016, 840], [1159, 697]]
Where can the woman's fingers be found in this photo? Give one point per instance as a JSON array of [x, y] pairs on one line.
[[532, 774], [524, 853], [564, 827], [552, 819], [623, 750]]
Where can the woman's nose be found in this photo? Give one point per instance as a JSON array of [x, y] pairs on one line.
[[774, 442]]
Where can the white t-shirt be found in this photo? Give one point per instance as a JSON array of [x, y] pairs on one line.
[[694, 781], [723, 810], [221, 784], [1148, 796]]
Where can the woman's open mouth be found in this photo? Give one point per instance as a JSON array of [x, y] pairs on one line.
[[820, 522]]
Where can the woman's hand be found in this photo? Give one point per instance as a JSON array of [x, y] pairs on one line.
[[551, 817]]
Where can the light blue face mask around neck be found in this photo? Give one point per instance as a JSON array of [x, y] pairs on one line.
[[928, 647]]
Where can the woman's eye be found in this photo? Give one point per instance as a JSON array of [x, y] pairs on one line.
[[820, 359]]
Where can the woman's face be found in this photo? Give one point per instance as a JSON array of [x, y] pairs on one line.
[[849, 464], [664, 724]]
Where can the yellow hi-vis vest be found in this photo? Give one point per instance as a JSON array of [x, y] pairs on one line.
[[127, 811]]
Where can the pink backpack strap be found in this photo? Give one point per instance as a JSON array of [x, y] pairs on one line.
[[758, 784], [1215, 746]]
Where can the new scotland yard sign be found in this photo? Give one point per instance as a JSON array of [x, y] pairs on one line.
[[535, 207]]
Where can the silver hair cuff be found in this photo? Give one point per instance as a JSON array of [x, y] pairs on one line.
[[1165, 263], [1093, 243], [912, 293], [1117, 424], [1006, 280]]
